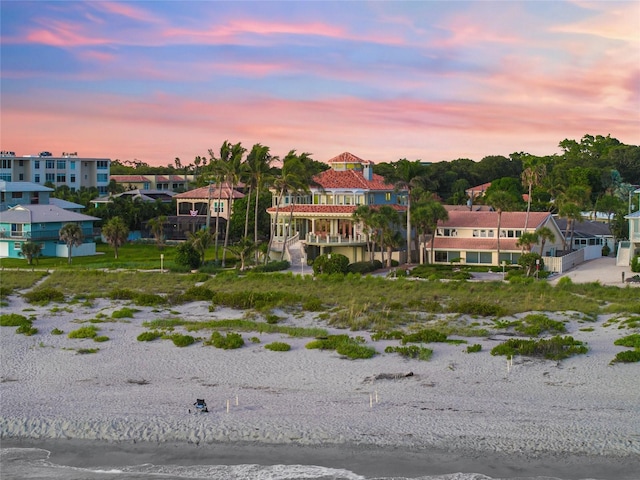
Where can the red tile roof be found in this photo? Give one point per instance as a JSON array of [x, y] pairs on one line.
[[467, 219], [347, 157], [129, 178], [203, 193], [350, 179]]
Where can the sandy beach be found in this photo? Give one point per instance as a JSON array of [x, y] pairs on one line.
[[579, 418]]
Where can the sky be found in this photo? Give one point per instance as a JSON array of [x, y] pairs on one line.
[[384, 80]]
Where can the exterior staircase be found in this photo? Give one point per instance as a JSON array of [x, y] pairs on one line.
[[623, 257], [294, 251]]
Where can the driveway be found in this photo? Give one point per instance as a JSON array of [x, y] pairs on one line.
[[603, 270]]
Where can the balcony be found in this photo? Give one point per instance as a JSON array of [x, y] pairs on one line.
[[328, 240]]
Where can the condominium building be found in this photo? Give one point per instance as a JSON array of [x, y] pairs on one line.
[[67, 169]]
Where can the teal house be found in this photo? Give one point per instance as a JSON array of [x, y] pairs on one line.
[[42, 224]]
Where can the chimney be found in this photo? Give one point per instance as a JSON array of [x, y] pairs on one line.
[[367, 171]]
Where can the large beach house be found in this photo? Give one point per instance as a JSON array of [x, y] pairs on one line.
[[321, 222]]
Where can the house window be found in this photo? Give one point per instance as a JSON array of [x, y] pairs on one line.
[[485, 257], [72, 164], [490, 233], [102, 164], [479, 257], [447, 256], [61, 178], [72, 178], [36, 178], [5, 176], [17, 246], [61, 165], [483, 233], [102, 177], [387, 196], [16, 194], [51, 164], [218, 207], [511, 258], [5, 163], [21, 177]]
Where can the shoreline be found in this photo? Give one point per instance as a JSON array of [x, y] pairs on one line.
[[368, 461]]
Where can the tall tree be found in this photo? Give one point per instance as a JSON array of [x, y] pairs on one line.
[[258, 167], [387, 220], [430, 214], [501, 202], [201, 241], [116, 232], [364, 214], [71, 234], [571, 203], [157, 229], [404, 176], [534, 171]]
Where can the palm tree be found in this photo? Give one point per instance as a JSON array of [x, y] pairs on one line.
[[300, 183], [72, 235], [404, 176], [387, 219], [290, 179], [233, 170], [531, 176], [570, 205], [157, 229], [544, 234], [116, 232], [364, 215], [30, 250], [501, 201], [427, 216], [527, 240], [201, 242], [257, 171], [243, 249]]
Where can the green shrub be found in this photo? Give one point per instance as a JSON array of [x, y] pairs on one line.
[[124, 313], [477, 308], [364, 267], [254, 340], [635, 264], [344, 345], [5, 291], [86, 351], [628, 356], [355, 350], [90, 331], [555, 348], [278, 347], [26, 329], [56, 331], [312, 304], [330, 263], [227, 342], [564, 283], [424, 336], [187, 256], [632, 341], [149, 300], [13, 320], [535, 324], [180, 340], [101, 338], [382, 335], [44, 296], [412, 351], [474, 348], [122, 294], [149, 336], [196, 293], [245, 300]]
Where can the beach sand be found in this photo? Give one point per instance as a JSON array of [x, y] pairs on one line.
[[579, 418]]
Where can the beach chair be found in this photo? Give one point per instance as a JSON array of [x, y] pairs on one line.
[[201, 405]]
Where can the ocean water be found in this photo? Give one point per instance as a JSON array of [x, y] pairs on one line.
[[34, 463]]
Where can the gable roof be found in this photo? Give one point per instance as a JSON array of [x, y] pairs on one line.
[[466, 219], [27, 214], [585, 228], [347, 157], [129, 178], [23, 187], [66, 204]]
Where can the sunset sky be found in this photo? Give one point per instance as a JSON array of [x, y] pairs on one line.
[[384, 80]]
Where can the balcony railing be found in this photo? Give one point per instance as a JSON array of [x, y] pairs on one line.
[[321, 239], [88, 234]]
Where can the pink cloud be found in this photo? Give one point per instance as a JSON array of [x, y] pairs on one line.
[[160, 127], [63, 34]]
